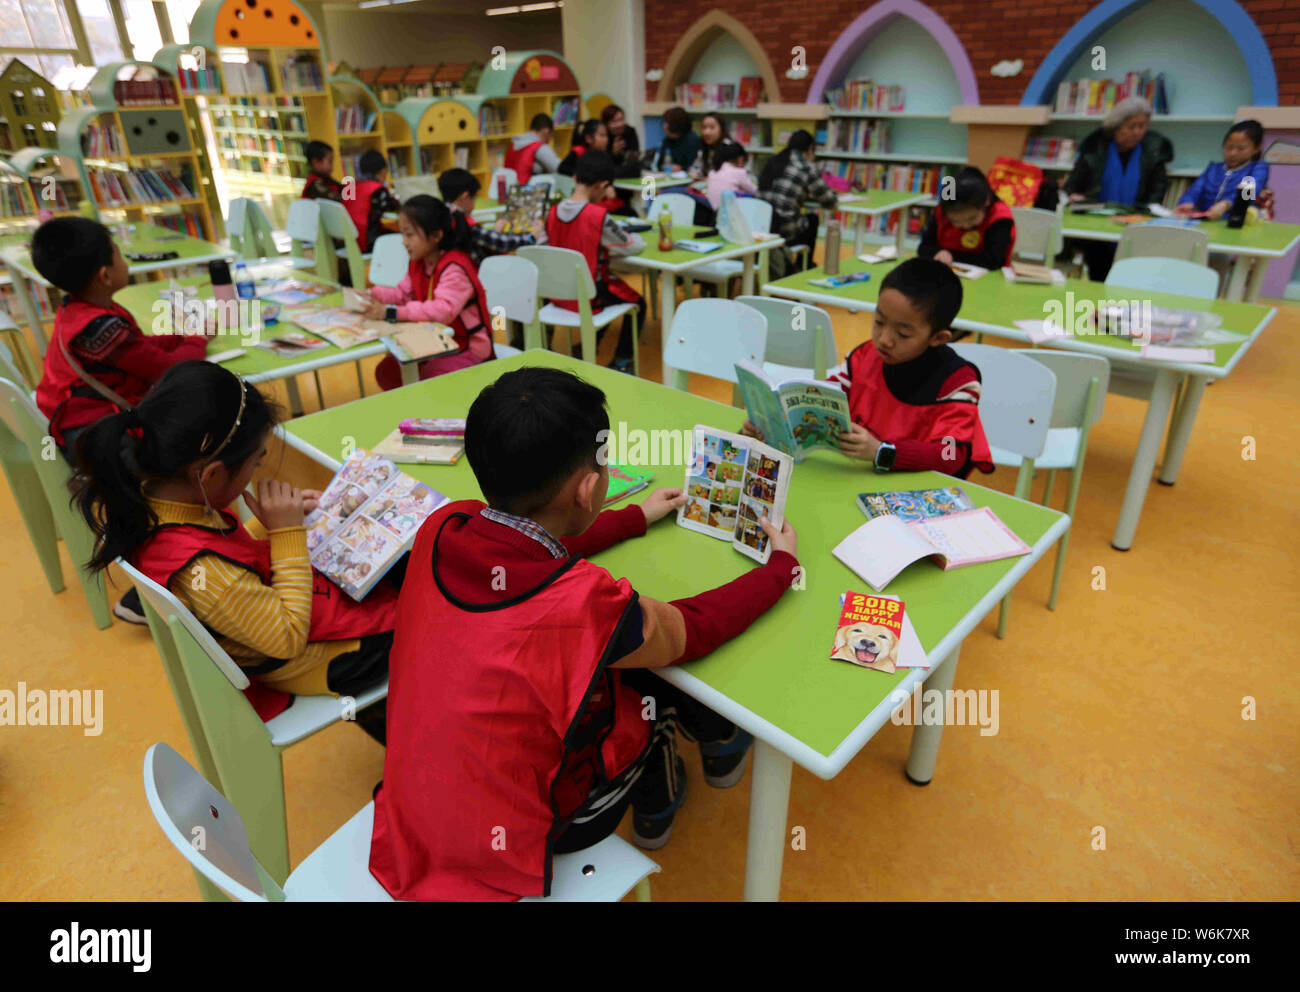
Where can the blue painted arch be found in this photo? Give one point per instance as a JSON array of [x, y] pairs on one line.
[[1236, 23]]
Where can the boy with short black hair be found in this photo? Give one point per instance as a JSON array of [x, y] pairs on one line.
[[370, 199], [321, 184], [459, 189], [582, 223], [531, 153], [522, 647], [914, 401]]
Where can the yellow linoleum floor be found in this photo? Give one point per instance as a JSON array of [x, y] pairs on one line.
[[1120, 710]]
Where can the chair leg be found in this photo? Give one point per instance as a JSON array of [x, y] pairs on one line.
[[636, 345], [320, 391], [1047, 490], [642, 890], [25, 485], [1024, 481], [361, 383]]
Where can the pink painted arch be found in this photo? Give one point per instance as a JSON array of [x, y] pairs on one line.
[[870, 23]]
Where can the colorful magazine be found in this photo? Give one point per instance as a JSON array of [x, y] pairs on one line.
[[293, 344], [341, 328], [366, 520], [795, 416], [525, 208], [624, 481], [915, 504]]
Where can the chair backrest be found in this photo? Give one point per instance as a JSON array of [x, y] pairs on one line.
[[811, 347], [337, 220], [304, 221], [1017, 396], [757, 212], [390, 260], [710, 336], [511, 177], [562, 273], [185, 803], [409, 186], [546, 179], [1038, 233], [681, 207], [564, 185], [19, 413], [249, 230], [236, 219], [1165, 275], [1074, 375], [8, 370], [1147, 241], [511, 283]]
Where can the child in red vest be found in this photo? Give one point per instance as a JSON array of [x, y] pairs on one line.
[[593, 136], [972, 225], [531, 153], [459, 191], [518, 727], [99, 361], [441, 285], [155, 485], [582, 223], [914, 401], [321, 184], [369, 199]]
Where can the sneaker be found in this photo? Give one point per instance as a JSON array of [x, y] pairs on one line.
[[724, 761], [622, 364], [130, 609], [651, 829]]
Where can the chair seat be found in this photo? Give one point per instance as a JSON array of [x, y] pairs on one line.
[[556, 316], [1060, 451], [309, 714], [719, 272], [339, 870], [505, 351], [617, 865]]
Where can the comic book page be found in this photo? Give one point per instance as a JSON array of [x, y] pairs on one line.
[[915, 504], [341, 328], [732, 482], [366, 519]]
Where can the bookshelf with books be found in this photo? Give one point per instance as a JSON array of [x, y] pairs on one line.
[[198, 73], [17, 205], [388, 84], [357, 117], [29, 109], [527, 84], [53, 179], [445, 134]]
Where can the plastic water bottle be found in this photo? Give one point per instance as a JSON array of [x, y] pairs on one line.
[[244, 286], [831, 265]]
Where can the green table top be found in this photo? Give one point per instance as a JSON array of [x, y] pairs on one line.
[[257, 363], [876, 201], [1267, 239], [141, 238], [990, 304], [661, 182], [680, 258], [780, 670]]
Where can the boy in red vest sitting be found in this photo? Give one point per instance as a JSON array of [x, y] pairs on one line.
[[531, 153], [370, 199], [321, 184], [971, 225], [526, 654], [583, 223], [914, 401]]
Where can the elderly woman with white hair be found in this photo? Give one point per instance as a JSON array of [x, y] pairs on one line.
[[1120, 162]]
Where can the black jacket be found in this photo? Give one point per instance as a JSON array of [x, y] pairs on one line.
[[1085, 178]]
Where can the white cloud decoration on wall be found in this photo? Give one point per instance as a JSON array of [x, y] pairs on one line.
[[1008, 68], [654, 75]]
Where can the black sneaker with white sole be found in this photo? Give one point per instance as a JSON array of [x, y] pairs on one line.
[[130, 609], [655, 804], [724, 761]]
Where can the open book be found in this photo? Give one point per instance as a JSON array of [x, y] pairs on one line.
[[1028, 272], [366, 520], [293, 344], [883, 547], [795, 416], [341, 327], [414, 341], [732, 482]]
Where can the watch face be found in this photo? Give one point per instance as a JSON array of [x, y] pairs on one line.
[[885, 456]]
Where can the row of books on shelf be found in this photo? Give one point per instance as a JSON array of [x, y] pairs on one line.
[[1098, 96], [1059, 150], [897, 177], [397, 168], [429, 159], [205, 80], [260, 121], [13, 201], [247, 77], [353, 118], [266, 168], [302, 73], [102, 140], [180, 223], [492, 121], [144, 92], [9, 304], [137, 186], [565, 112], [262, 144], [720, 96], [859, 136], [863, 94]]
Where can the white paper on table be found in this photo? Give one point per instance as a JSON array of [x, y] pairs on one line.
[[1042, 331], [1166, 353], [880, 549], [850, 198], [225, 356], [887, 253], [968, 271], [1058, 277], [1160, 210]]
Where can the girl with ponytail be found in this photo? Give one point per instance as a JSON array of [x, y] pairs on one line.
[[441, 285], [155, 484]]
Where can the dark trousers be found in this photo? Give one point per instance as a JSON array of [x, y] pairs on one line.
[[1100, 256], [356, 671]]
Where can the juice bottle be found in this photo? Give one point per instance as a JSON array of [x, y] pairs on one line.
[[666, 231]]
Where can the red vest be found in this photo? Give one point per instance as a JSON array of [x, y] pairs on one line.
[[583, 234], [423, 285], [521, 160], [485, 714], [928, 417], [954, 239], [359, 209]]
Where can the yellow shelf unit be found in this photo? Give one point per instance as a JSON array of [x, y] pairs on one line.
[[358, 119], [133, 151], [444, 133], [527, 84], [53, 181], [17, 204]]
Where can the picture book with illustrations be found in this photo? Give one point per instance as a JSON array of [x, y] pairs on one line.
[[341, 328], [732, 482], [525, 207], [795, 416], [875, 632], [293, 344], [915, 504], [624, 481], [1036, 275], [365, 521], [432, 428], [884, 546], [413, 341]]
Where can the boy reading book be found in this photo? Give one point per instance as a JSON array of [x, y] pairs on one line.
[[459, 189], [914, 401], [527, 652]]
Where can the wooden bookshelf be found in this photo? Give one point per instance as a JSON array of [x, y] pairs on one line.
[[358, 120], [17, 204], [52, 178], [29, 109], [445, 133], [198, 71]]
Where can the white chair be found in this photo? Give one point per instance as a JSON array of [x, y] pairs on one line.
[[511, 286], [709, 337], [185, 803], [546, 179], [719, 274], [1038, 234], [563, 185], [682, 210], [806, 353], [681, 206], [562, 274], [235, 747], [389, 261], [1158, 241], [493, 191], [1016, 402], [338, 225]]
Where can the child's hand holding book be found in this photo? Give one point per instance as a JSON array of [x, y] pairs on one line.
[[858, 442], [662, 502], [277, 504], [749, 429]]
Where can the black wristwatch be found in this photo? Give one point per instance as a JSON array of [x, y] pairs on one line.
[[885, 456], [390, 314]]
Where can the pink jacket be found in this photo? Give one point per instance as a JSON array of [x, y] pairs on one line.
[[451, 295], [728, 176]]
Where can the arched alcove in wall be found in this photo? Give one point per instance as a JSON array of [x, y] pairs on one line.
[[732, 40]]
